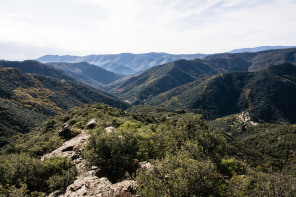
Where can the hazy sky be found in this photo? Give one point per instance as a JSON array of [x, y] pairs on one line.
[[32, 28]]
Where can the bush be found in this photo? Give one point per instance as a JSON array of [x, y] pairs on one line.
[[179, 175], [115, 152], [13, 191], [232, 167], [19, 169], [256, 183]]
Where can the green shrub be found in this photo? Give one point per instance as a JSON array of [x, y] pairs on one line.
[[115, 152], [79, 124], [13, 191], [179, 175], [256, 183], [19, 169], [232, 167], [62, 180]]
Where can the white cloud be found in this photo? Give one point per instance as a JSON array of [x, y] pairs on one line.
[[176, 26]]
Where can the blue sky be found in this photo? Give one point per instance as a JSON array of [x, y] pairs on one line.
[[32, 28]]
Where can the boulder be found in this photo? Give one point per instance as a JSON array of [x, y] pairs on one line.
[[146, 165], [71, 148], [109, 129], [56, 193], [65, 131], [245, 117], [90, 185], [92, 123]]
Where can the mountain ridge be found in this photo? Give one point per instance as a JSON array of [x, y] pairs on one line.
[[35, 67], [135, 62], [260, 48], [267, 95], [159, 79], [91, 74]]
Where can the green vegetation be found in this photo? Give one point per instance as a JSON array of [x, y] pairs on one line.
[[49, 95], [275, 142], [169, 150], [31, 175], [15, 121], [180, 175], [167, 153]]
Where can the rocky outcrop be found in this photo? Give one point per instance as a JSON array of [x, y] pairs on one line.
[[92, 123], [90, 185], [71, 148], [146, 165], [109, 129], [65, 131], [246, 118], [87, 182]]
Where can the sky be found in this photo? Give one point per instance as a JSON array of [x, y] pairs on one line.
[[32, 28]]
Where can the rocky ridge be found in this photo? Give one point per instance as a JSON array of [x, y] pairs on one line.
[[87, 182]]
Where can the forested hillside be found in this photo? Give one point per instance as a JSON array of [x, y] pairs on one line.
[[27, 99], [142, 87], [160, 79], [268, 95]]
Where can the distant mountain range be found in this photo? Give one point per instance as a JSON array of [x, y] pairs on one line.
[[261, 48], [129, 63], [142, 87], [124, 63]]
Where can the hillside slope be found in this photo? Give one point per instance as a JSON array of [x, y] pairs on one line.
[[251, 61], [27, 99], [160, 79], [87, 72], [34, 67], [268, 95], [16, 120]]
